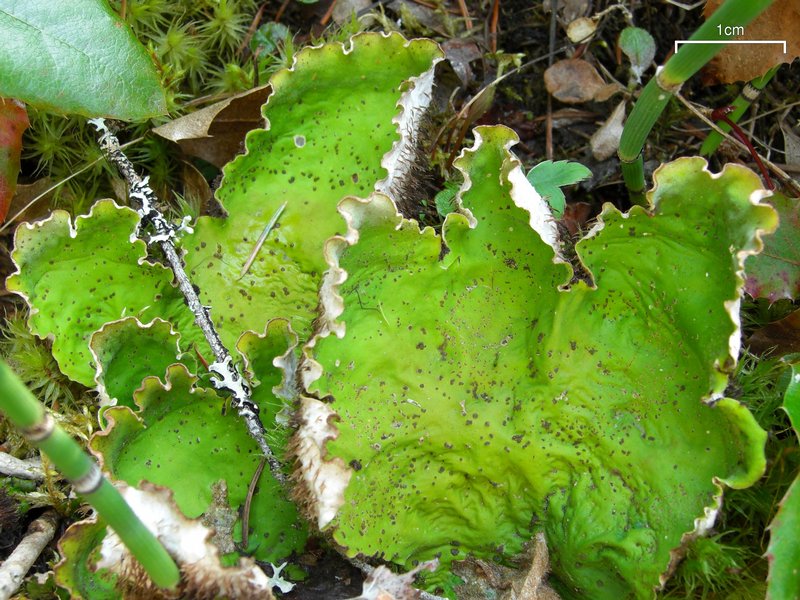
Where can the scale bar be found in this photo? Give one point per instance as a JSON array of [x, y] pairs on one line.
[[781, 42]]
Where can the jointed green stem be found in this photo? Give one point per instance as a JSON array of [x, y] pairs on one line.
[[740, 105], [28, 414], [660, 89]]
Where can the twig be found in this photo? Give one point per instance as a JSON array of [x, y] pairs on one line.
[[252, 29], [462, 6], [493, 26], [60, 183], [261, 239], [785, 178], [14, 568], [281, 10], [328, 13], [721, 114], [228, 374], [11, 466], [548, 135], [685, 6], [251, 490]]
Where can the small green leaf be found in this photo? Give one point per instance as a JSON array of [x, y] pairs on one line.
[[548, 177], [268, 36], [640, 48], [445, 200], [76, 57], [784, 546]]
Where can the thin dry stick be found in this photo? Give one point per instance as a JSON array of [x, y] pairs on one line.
[[228, 375], [11, 466], [328, 13], [261, 239], [548, 130], [60, 183], [462, 6], [493, 25], [782, 175], [251, 490], [252, 29], [281, 10], [14, 568]]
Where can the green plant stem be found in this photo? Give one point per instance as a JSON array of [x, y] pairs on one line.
[[743, 101], [38, 426], [661, 88]]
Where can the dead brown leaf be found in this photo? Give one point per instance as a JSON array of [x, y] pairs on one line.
[[605, 140], [781, 337], [195, 185], [460, 53], [216, 133], [533, 584], [568, 10], [24, 197], [743, 62], [573, 81]]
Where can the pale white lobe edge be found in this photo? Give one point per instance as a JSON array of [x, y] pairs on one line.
[[414, 103], [325, 479], [186, 540]]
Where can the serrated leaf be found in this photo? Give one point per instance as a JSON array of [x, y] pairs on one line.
[[775, 273], [548, 177], [475, 402], [13, 123], [76, 57], [640, 48], [783, 551]]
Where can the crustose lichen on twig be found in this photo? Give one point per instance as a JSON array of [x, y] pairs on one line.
[[228, 377]]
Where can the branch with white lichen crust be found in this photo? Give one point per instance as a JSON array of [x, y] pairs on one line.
[[228, 377]]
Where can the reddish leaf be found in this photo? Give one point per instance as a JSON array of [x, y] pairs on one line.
[[13, 122], [775, 273]]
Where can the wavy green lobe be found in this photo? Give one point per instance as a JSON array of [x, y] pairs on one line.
[[323, 141], [482, 403], [184, 438], [76, 279], [784, 547]]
